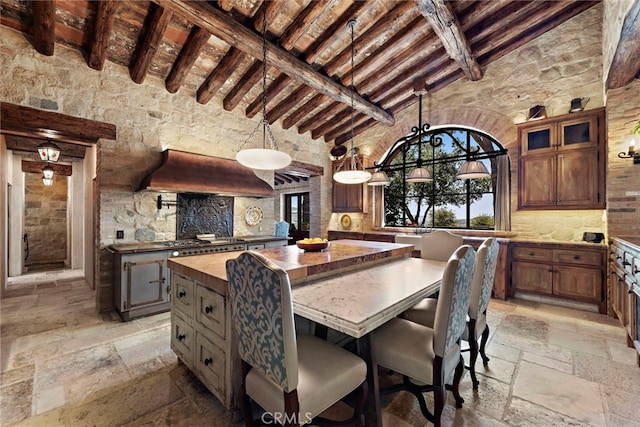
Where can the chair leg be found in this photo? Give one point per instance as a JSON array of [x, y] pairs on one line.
[[483, 343], [439, 396], [359, 408], [473, 356], [456, 383], [245, 403]]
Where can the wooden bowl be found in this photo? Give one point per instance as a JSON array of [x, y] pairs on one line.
[[312, 247]]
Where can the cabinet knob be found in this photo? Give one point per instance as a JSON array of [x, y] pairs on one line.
[[182, 294], [181, 337], [576, 257], [532, 253], [208, 361], [208, 309]]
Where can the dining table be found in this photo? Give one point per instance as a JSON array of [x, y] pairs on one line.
[[357, 302]]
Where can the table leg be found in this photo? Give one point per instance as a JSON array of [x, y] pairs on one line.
[[373, 410]]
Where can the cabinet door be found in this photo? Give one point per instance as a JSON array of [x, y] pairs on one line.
[[537, 184], [578, 283], [144, 280], [347, 197], [532, 277], [578, 133], [538, 139], [577, 181]]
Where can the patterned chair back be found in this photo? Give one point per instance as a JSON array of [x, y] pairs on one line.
[[487, 257], [453, 301], [262, 312], [439, 245]]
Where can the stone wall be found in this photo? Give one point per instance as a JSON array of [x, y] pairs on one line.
[[45, 222], [560, 65]]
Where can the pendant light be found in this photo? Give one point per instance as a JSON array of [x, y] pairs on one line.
[[47, 176], [379, 178], [419, 174], [354, 175], [263, 158], [48, 151], [473, 169]]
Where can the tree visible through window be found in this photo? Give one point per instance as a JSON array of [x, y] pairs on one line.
[[446, 202]]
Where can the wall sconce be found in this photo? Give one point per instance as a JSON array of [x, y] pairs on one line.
[[537, 112], [48, 151], [47, 176], [631, 153], [578, 104]]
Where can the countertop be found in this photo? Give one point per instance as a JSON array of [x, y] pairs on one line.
[[340, 256], [137, 247]]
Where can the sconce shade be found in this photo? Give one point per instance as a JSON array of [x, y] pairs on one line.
[[352, 177], [577, 104], [419, 175], [537, 112], [47, 172], [378, 179], [48, 182], [473, 170], [338, 152], [48, 151], [263, 158]]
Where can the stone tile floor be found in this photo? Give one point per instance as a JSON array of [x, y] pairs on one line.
[[63, 364]]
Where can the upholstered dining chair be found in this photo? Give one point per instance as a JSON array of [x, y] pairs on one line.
[[292, 379], [428, 357], [482, 284], [439, 245]]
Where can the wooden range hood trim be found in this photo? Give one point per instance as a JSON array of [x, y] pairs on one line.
[[183, 172]]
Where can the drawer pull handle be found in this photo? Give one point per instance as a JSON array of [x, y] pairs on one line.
[[532, 253], [576, 257], [208, 361], [182, 294], [208, 309], [635, 270], [626, 263], [181, 337]]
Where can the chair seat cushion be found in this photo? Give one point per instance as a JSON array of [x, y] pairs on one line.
[[407, 347], [423, 312], [326, 374]]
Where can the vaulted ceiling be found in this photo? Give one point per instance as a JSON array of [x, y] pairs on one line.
[[214, 49]]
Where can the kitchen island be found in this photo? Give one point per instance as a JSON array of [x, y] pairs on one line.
[[201, 329]]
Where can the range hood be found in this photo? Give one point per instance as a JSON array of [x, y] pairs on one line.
[[182, 172]]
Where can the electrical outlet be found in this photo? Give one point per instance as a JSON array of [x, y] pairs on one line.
[[120, 234]]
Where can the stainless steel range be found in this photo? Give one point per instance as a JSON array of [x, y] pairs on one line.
[[141, 279]]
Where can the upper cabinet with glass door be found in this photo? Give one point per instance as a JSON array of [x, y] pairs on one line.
[[570, 131]]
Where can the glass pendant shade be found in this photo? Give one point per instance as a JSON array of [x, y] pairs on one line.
[[263, 158], [473, 170], [378, 179], [49, 152], [47, 172], [48, 182], [352, 177], [419, 175]]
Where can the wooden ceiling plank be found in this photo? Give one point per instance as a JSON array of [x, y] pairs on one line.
[[335, 30], [190, 52], [228, 30], [303, 110], [446, 26], [272, 91], [148, 45], [20, 120], [338, 128], [219, 75], [625, 65], [319, 131], [252, 76], [369, 123], [105, 15], [342, 61], [288, 103], [225, 5], [44, 26], [325, 112], [302, 23]]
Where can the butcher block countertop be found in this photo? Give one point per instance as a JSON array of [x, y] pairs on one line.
[[340, 256]]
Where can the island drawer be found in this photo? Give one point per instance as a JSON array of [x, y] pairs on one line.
[[211, 364], [211, 310], [182, 338], [183, 295]]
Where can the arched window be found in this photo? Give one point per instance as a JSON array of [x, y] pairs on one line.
[[450, 199]]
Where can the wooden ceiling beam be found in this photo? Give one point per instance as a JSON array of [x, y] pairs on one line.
[[219, 75], [29, 166], [224, 27], [446, 26], [625, 65], [105, 15], [289, 103], [361, 127], [225, 5], [272, 91], [148, 45], [273, 10], [252, 76], [196, 41], [44, 26], [305, 168], [321, 115], [343, 126], [302, 23], [322, 128], [28, 146], [303, 110]]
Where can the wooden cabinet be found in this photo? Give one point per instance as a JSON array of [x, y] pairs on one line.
[[201, 336], [348, 197], [574, 272], [562, 162], [624, 288]]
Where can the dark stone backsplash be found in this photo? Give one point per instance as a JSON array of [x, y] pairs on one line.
[[203, 214]]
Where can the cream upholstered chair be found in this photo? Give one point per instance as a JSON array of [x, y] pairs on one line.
[[482, 284], [430, 356], [439, 245], [292, 379]]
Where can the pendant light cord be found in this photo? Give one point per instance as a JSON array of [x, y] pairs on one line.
[[352, 24]]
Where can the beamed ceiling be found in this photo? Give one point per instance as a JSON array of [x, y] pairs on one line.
[[214, 49]]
